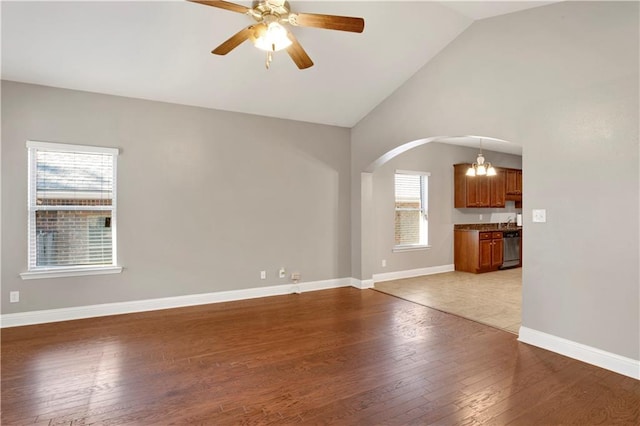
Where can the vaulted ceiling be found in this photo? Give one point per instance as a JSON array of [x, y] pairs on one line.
[[160, 50]]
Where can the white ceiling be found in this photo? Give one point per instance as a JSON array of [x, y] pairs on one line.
[[488, 143], [159, 50]]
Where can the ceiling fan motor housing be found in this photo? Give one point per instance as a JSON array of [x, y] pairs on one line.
[[279, 8]]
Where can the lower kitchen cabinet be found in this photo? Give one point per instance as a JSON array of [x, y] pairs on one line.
[[477, 251]]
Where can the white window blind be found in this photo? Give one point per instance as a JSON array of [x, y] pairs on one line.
[[72, 206], [411, 223]]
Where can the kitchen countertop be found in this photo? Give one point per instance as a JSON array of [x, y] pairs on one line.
[[486, 227]]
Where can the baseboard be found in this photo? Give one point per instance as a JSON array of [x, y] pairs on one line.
[[361, 284], [607, 360], [388, 276], [91, 311]]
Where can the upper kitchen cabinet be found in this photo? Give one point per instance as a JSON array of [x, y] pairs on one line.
[[513, 186], [497, 186], [478, 191], [514, 182]]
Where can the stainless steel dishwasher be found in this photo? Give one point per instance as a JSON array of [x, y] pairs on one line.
[[511, 249]]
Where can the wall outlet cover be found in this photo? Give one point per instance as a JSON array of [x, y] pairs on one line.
[[539, 215]]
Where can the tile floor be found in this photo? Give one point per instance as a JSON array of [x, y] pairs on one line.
[[493, 298]]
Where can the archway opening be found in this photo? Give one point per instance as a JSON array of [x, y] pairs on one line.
[[435, 156]]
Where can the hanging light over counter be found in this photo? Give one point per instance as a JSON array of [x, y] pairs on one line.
[[480, 167]]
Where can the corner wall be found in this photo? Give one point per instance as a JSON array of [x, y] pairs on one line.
[[561, 80]]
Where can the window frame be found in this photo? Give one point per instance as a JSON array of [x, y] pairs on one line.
[[424, 210], [36, 272]]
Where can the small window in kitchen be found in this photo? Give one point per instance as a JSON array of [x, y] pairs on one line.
[[411, 210], [72, 210]]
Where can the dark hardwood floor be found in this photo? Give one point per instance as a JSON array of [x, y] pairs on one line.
[[343, 356]]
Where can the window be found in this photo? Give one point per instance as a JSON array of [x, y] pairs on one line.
[[72, 210], [411, 222]]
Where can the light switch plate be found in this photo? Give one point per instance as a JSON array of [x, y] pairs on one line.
[[539, 215]]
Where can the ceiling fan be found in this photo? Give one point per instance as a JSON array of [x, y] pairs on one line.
[[269, 34]]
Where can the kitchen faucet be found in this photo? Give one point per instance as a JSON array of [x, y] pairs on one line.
[[509, 221]]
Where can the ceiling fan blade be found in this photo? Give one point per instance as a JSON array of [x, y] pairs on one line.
[[223, 5], [298, 54], [234, 41], [329, 22]]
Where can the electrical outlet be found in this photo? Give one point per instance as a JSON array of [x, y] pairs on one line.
[[480, 217], [295, 277], [282, 273], [384, 263], [14, 296], [263, 275]]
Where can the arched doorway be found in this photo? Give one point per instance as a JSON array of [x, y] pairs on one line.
[[434, 156]]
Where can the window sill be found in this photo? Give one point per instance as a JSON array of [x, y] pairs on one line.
[[399, 249], [70, 272]]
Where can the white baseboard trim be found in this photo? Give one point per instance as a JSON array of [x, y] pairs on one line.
[[361, 284], [91, 311], [398, 275], [607, 360]]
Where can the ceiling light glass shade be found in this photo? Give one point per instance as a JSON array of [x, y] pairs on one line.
[[480, 168], [273, 38]]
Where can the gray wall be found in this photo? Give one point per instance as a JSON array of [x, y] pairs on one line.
[[562, 81], [206, 199], [437, 159]]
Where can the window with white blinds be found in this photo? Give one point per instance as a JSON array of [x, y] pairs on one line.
[[72, 206], [411, 218]]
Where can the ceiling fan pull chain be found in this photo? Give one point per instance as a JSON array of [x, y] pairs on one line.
[[268, 61]]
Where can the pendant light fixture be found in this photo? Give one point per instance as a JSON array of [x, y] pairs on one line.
[[480, 167]]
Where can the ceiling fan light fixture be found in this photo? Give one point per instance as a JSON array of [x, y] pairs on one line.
[[272, 38]]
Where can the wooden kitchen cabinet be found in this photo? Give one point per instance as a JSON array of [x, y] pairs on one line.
[[513, 182], [477, 251], [478, 191], [497, 193], [486, 191], [491, 250], [513, 186]]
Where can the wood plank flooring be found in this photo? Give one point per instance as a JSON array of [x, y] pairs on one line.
[[342, 356]]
